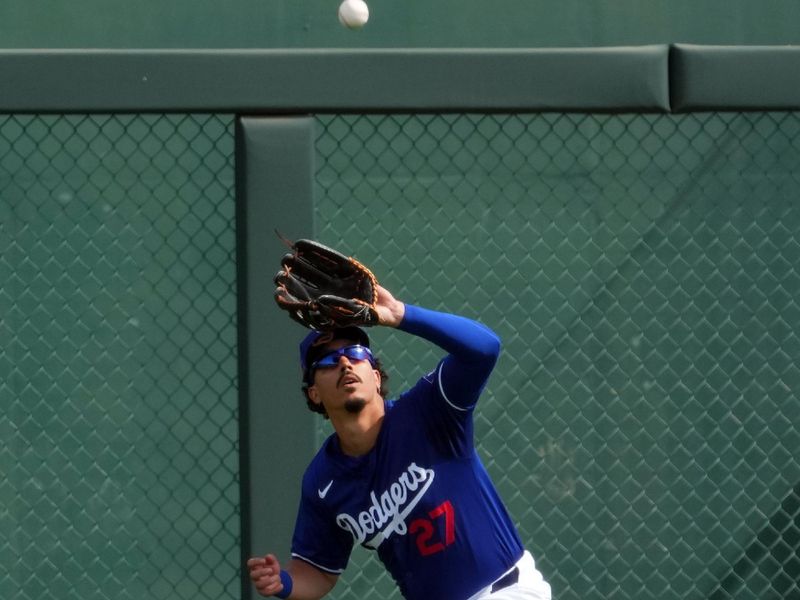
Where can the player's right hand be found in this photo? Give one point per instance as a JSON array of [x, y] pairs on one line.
[[265, 573]]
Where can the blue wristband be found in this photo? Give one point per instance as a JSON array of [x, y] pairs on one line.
[[287, 582]]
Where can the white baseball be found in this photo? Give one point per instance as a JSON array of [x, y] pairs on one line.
[[353, 13]]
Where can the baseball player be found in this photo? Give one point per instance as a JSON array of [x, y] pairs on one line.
[[402, 477]]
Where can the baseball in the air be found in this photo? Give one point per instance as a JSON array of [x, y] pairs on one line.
[[353, 13]]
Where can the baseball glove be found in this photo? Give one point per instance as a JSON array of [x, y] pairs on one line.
[[323, 289]]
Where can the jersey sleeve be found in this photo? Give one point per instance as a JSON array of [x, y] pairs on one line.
[[473, 350], [317, 539]]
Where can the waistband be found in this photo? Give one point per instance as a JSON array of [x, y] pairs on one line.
[[524, 573]]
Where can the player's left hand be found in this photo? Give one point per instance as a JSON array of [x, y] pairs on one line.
[[390, 310], [323, 289]]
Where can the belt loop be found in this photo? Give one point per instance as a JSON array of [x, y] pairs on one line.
[[507, 580]]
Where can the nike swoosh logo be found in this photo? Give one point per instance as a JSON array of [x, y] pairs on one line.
[[324, 491]]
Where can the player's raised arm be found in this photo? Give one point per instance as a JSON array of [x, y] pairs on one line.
[[472, 349], [300, 581]]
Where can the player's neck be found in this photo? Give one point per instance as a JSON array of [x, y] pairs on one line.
[[359, 433]]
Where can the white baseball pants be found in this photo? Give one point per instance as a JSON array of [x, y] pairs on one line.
[[531, 584]]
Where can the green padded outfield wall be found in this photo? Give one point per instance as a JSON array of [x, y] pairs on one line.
[[407, 24]]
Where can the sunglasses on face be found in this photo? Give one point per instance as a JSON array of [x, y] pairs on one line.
[[353, 353]]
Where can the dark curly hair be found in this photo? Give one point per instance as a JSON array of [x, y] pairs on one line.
[[318, 408]]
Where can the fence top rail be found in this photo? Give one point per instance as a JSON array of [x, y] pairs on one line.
[[735, 77], [653, 78]]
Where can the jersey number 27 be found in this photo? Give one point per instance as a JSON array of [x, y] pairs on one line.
[[425, 531]]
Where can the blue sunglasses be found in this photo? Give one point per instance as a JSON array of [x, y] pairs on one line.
[[331, 359]]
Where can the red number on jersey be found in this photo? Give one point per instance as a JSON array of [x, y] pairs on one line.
[[424, 529]]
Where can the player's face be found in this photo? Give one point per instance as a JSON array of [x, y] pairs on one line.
[[346, 384]]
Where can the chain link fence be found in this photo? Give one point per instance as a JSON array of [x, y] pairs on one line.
[[643, 423], [118, 358]]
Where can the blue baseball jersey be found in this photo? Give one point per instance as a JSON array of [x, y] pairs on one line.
[[421, 497]]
